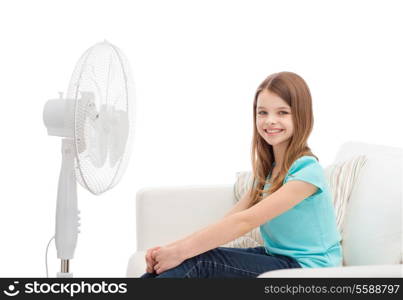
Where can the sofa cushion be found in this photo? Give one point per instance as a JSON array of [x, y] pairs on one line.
[[373, 222], [372, 228]]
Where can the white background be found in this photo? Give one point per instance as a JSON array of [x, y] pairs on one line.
[[196, 66]]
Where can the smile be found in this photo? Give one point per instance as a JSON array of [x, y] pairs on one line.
[[274, 132]]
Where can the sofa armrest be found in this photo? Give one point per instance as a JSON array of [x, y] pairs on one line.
[[347, 271], [137, 265], [166, 214]]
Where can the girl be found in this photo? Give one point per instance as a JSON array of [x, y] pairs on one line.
[[289, 200]]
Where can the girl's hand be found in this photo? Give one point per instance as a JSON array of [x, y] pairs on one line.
[[167, 257], [150, 261]]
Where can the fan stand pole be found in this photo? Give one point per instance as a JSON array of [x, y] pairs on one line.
[[66, 209], [64, 269]]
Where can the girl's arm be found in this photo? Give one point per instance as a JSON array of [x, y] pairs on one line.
[[239, 223], [285, 198], [212, 236]]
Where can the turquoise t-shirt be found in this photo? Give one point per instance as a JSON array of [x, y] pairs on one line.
[[307, 232]]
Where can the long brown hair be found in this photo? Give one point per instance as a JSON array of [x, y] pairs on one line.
[[295, 92]]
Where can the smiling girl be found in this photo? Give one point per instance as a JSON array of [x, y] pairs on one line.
[[289, 200]]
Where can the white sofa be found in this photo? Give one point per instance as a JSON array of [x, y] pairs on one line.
[[372, 234]]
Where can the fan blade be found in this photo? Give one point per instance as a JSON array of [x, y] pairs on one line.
[[85, 114], [99, 141], [118, 136]]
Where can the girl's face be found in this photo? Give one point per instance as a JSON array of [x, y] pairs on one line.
[[273, 113]]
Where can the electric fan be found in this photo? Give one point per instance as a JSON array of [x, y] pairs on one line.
[[95, 123]]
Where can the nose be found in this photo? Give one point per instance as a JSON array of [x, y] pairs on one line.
[[270, 119]]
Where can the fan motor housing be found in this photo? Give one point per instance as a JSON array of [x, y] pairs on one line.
[[58, 116]]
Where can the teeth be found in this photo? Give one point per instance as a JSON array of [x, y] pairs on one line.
[[272, 131]]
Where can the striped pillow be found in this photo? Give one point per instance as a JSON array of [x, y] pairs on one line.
[[341, 178], [252, 238]]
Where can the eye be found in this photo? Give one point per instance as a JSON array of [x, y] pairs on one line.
[[261, 112], [285, 112]]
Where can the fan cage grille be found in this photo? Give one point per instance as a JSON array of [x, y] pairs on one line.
[[104, 71]]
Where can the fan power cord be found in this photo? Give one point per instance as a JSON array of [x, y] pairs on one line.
[[46, 256]]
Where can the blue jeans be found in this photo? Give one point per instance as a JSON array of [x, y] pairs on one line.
[[224, 262]]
